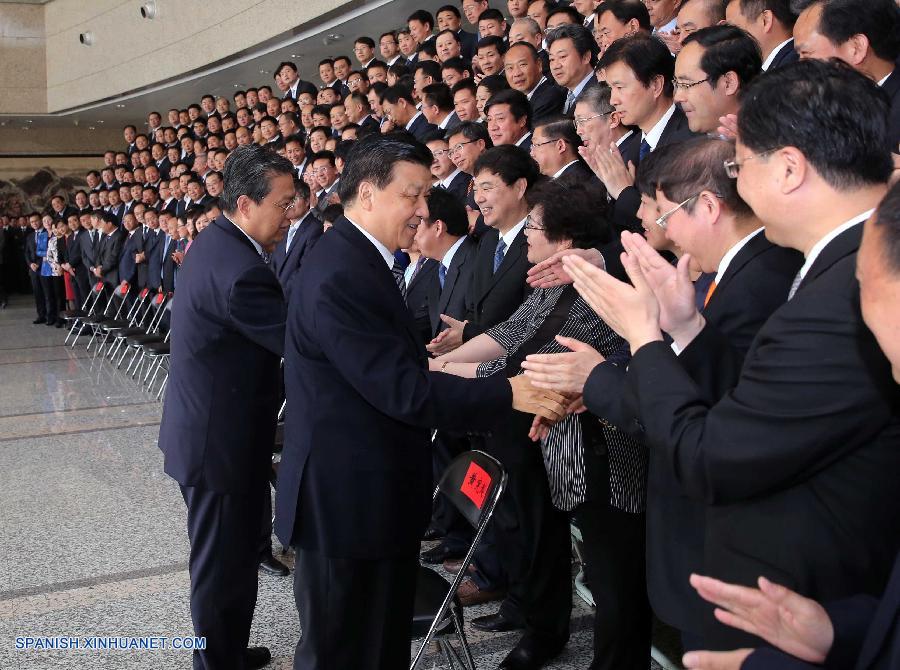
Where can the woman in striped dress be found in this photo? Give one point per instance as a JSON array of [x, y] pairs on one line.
[[596, 474]]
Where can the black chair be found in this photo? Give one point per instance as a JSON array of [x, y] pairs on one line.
[[472, 483]]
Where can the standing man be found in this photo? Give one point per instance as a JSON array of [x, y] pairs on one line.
[[354, 490], [218, 424]]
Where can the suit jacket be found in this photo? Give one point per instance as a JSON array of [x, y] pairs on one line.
[[579, 174], [420, 127], [525, 142], [626, 206], [417, 292], [493, 297], [168, 268], [755, 284], [779, 458], [785, 56], [118, 211], [323, 199], [74, 249], [459, 186], [90, 248], [285, 262], [548, 99], [451, 299], [127, 266], [468, 43], [153, 259], [866, 635], [892, 88], [370, 123], [218, 422], [592, 82], [108, 256], [356, 473]]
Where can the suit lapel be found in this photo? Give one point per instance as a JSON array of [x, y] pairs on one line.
[[841, 246], [511, 257], [754, 247]]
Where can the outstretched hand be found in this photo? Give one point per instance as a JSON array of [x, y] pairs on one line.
[[550, 272]]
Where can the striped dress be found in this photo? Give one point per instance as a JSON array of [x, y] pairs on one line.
[[563, 449]]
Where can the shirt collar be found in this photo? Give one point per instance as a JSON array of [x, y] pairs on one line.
[[563, 168], [767, 63], [536, 87], [656, 131], [448, 257], [523, 138], [668, 28], [623, 138], [412, 120], [443, 124], [383, 250], [449, 180], [731, 253], [885, 78], [821, 244], [578, 89], [510, 234], [256, 245]]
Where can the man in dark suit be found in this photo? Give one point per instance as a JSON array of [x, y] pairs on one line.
[[145, 246], [153, 247], [355, 505], [167, 246], [572, 50], [218, 423], [34, 262], [771, 23], [90, 248], [304, 232], [130, 246], [828, 29], [523, 71], [110, 251], [640, 70], [400, 108], [420, 276], [450, 177], [766, 451], [555, 148]]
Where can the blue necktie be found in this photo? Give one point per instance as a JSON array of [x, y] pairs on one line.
[[498, 255], [399, 278], [442, 274], [645, 149]]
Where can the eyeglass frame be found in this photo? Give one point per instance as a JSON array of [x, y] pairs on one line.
[[291, 205], [529, 226], [733, 166], [540, 144], [682, 86], [456, 149], [580, 122], [662, 220]]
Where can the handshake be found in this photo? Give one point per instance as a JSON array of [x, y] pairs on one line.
[[547, 405]]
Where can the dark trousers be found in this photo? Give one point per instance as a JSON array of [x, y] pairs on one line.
[[83, 281], [37, 290], [615, 567], [48, 288], [353, 613], [535, 549], [224, 531], [264, 545]]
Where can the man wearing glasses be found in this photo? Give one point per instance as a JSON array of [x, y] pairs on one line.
[[218, 423]]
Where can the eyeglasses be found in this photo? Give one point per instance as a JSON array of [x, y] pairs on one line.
[[440, 153], [733, 167], [662, 221], [291, 205], [580, 121], [540, 144], [531, 225], [685, 85], [456, 149]]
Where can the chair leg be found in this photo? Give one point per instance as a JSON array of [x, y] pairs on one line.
[[162, 389], [467, 660]]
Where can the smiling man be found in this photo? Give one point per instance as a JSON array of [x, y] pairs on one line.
[[354, 490], [218, 422]]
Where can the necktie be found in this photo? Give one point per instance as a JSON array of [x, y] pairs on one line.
[[498, 254], [266, 257], [442, 274], [709, 292], [645, 149], [795, 284], [290, 236], [419, 264], [399, 278], [570, 100]]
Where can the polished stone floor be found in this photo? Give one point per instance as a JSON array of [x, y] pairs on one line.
[[92, 533]]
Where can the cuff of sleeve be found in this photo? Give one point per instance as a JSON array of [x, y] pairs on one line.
[[850, 619]]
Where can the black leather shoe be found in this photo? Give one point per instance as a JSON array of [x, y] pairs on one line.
[[440, 553], [256, 657], [273, 566], [433, 533], [530, 655], [59, 324], [495, 623], [39, 320]]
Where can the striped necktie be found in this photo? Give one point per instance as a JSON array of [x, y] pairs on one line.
[[498, 254], [644, 150], [399, 278], [795, 284]]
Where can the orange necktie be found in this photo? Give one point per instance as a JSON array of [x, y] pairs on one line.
[[709, 292]]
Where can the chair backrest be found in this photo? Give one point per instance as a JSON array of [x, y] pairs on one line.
[[472, 483]]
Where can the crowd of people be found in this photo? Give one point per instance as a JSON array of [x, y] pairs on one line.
[[653, 218]]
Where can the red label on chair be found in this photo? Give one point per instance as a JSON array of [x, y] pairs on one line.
[[124, 287], [476, 484], [98, 286]]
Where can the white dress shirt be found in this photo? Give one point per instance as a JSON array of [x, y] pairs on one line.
[[383, 250]]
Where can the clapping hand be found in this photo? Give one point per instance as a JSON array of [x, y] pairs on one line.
[[449, 339], [728, 129], [565, 372], [540, 427], [630, 310], [610, 168], [673, 288], [798, 626], [550, 272]]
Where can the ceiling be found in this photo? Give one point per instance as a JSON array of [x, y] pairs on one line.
[[330, 35]]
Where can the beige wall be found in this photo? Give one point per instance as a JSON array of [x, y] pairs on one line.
[[58, 140], [202, 33], [23, 67], [21, 168]]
